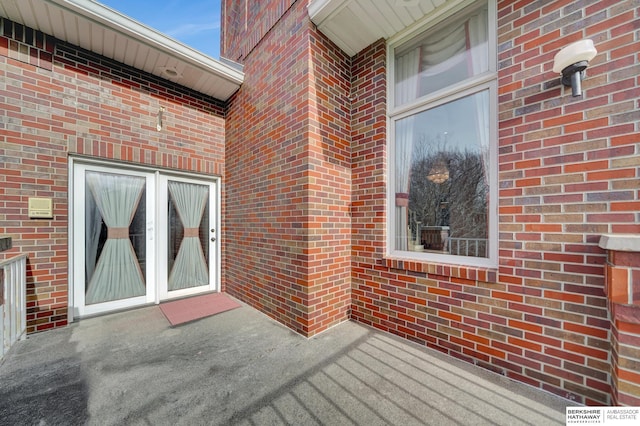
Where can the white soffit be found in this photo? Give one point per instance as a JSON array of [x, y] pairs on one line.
[[95, 27], [354, 24]]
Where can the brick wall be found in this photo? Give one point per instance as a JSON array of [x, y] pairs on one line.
[[329, 187], [288, 178], [246, 22], [57, 100], [568, 173]]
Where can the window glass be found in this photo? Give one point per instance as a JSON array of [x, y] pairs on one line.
[[442, 145], [450, 54], [442, 169]]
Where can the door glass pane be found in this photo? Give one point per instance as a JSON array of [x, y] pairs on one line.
[[115, 237], [188, 248]]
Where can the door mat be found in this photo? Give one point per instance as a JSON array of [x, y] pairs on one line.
[[193, 308]]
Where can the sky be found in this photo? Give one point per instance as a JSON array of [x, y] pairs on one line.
[[195, 23]]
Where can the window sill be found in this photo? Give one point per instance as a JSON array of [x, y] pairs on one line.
[[474, 273]]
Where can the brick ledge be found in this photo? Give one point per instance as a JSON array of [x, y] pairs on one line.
[[620, 242], [456, 271]]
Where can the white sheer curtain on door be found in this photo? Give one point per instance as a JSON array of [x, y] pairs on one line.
[[117, 273], [92, 229], [190, 267]]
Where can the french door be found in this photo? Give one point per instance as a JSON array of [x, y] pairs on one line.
[[140, 237]]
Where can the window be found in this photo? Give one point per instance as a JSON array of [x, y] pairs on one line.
[[442, 171]]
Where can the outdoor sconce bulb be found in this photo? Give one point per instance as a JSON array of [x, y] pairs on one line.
[[571, 61]]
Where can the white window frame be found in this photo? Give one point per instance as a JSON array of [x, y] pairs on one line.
[[487, 80]]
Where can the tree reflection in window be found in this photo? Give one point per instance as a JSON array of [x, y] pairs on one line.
[[448, 188]]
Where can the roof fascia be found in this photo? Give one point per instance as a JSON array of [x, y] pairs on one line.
[[321, 10], [128, 27]]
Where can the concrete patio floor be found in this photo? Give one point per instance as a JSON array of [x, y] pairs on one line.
[[240, 367]]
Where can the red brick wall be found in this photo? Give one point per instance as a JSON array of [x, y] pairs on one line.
[[568, 173], [246, 22], [288, 178], [57, 100], [329, 188]]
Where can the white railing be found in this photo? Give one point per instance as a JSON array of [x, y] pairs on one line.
[[13, 301], [468, 246]]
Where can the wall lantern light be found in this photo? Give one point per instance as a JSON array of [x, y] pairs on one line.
[[571, 61], [160, 123]]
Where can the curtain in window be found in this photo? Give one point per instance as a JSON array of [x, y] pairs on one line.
[[407, 69], [407, 73], [443, 51], [477, 36], [92, 228], [117, 274], [190, 267]]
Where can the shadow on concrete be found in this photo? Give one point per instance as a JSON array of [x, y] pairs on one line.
[[43, 383], [240, 367]]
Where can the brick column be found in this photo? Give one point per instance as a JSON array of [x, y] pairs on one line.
[[622, 287]]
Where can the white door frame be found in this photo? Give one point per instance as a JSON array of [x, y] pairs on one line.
[[162, 201], [155, 203]]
